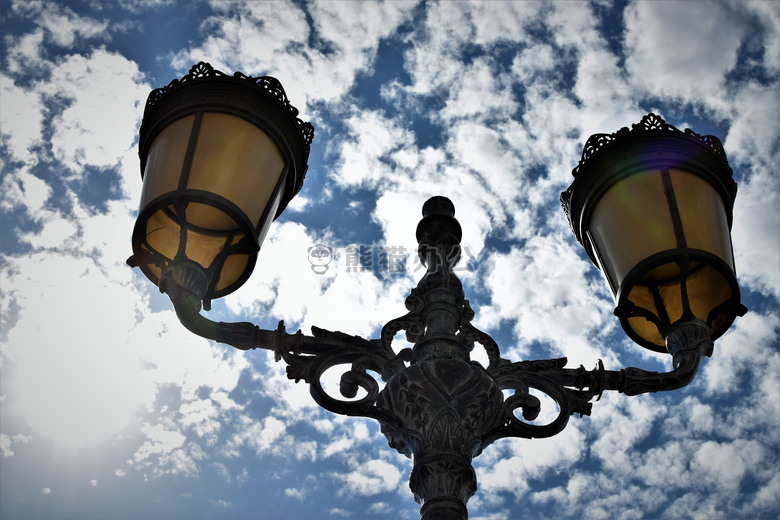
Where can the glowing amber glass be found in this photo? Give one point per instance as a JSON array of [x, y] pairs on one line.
[[641, 226], [216, 176]]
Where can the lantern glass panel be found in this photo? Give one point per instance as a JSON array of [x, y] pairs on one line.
[[703, 215], [222, 156], [165, 160], [219, 177], [238, 161], [631, 222]]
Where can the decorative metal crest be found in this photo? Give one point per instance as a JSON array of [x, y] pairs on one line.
[[267, 85], [597, 143]]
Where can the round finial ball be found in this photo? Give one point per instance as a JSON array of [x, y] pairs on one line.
[[438, 206]]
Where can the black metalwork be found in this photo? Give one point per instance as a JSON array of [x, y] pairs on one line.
[[718, 172], [652, 144], [259, 100], [435, 404]]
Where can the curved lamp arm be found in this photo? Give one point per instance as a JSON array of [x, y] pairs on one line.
[[307, 357], [242, 335], [688, 341], [573, 389]]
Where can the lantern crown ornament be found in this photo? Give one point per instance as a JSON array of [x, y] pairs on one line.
[[221, 157], [652, 206]]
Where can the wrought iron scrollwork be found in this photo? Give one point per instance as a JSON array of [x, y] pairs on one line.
[[436, 405]]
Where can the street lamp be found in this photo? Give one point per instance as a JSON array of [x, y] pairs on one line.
[[221, 156], [653, 207]]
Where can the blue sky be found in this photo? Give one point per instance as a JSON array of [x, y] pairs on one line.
[[110, 409]]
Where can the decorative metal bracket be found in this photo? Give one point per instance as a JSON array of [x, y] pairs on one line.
[[437, 406]]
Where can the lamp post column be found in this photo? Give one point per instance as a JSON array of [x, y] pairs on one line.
[[442, 402]]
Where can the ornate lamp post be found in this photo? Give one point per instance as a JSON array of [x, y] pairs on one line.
[[222, 156]]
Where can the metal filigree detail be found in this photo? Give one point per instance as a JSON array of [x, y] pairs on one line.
[[267, 85], [309, 357], [597, 143], [442, 409], [437, 406], [469, 333], [570, 389]]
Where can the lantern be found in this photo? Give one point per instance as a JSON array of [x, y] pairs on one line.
[[221, 157], [653, 208]]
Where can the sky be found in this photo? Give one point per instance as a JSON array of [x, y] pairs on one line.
[[110, 409]]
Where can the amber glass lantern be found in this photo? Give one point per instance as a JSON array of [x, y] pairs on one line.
[[221, 157], [653, 208]]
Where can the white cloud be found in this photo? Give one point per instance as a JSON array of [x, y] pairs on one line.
[[509, 465], [543, 289], [369, 478], [371, 138], [27, 53], [622, 423], [725, 465], [356, 303], [539, 57], [63, 27], [723, 372], [298, 204], [47, 284], [753, 107], [600, 84], [222, 470], [484, 152], [53, 234], [21, 119], [768, 14], [23, 189], [273, 38], [681, 49], [5, 445], [161, 441], [380, 508], [356, 436], [51, 341], [105, 97], [297, 494], [479, 92], [754, 233], [753, 155], [495, 22], [667, 465], [267, 436]]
